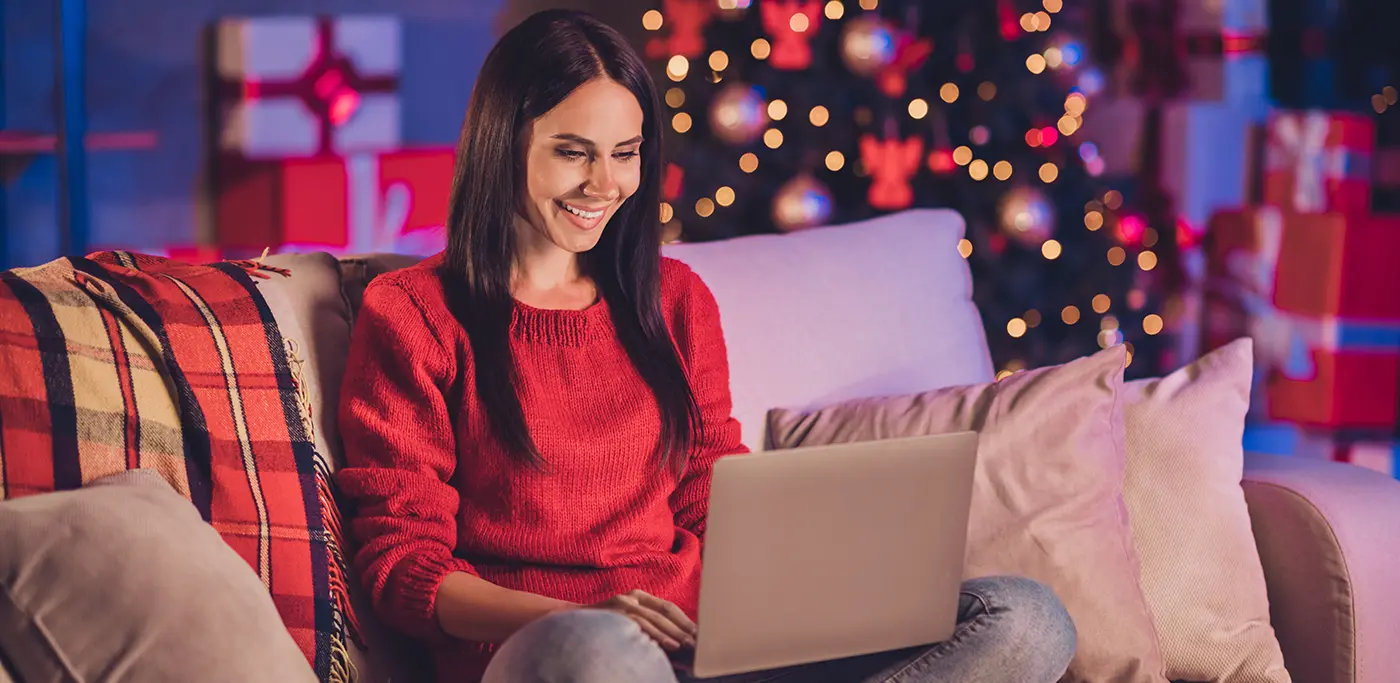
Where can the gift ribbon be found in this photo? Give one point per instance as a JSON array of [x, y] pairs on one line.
[[1299, 145]]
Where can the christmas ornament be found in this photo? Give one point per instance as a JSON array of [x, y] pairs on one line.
[[738, 114], [686, 19], [890, 163], [867, 46], [672, 182], [1027, 216], [910, 53], [802, 202], [791, 24]]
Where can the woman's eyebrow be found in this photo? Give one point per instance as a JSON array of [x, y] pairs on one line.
[[579, 139]]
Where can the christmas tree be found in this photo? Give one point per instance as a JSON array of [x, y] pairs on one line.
[[787, 114]]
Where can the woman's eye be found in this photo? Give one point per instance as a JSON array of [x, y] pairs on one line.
[[570, 154], [625, 156]]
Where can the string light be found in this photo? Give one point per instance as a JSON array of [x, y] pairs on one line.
[[1101, 303], [1016, 327], [949, 92], [667, 213], [719, 61], [1035, 63], [777, 110], [1137, 299], [1128, 359], [1152, 324], [1049, 172], [1389, 93], [868, 5], [918, 108], [979, 135], [704, 207], [760, 49], [819, 116], [962, 155], [977, 169], [1032, 318], [1113, 199], [1116, 256], [1070, 315], [1147, 260], [1150, 237], [987, 90], [677, 67], [1108, 323], [724, 195], [1033, 137], [1093, 220], [749, 162], [1054, 58], [651, 21], [835, 160], [1028, 22], [681, 122], [730, 4], [965, 247], [1042, 21], [1002, 170], [1067, 125], [1053, 6], [1051, 249], [835, 10], [675, 97], [773, 138], [1003, 374], [1379, 104], [1075, 104]]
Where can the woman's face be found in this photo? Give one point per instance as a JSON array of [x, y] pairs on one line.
[[584, 160]]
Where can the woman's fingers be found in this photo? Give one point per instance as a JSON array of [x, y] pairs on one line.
[[674, 633], [669, 609], [665, 641]]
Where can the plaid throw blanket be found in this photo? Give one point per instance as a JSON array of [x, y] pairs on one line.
[[120, 361]]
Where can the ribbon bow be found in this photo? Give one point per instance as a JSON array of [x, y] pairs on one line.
[[1300, 144]]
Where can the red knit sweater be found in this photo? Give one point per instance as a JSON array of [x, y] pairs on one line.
[[435, 492]]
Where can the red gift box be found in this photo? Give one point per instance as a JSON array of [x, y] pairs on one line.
[[1317, 161], [393, 201], [1318, 294]]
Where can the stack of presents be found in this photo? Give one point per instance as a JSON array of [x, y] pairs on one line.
[[306, 147], [1297, 248]]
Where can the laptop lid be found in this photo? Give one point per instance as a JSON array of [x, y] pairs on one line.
[[829, 552]]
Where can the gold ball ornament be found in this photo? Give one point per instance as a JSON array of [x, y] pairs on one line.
[[802, 202], [1026, 215], [867, 46], [738, 114]]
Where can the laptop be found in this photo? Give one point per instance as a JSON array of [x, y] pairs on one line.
[[830, 552]]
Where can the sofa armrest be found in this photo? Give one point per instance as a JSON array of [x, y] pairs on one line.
[[1328, 537]]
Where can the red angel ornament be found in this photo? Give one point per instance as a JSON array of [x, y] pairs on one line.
[[791, 23], [891, 162]]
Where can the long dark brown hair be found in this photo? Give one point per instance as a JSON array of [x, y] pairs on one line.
[[531, 70]]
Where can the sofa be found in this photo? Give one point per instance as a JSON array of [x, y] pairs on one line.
[[885, 308]]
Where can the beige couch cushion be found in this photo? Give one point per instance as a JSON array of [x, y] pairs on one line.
[[1047, 498], [314, 314], [1200, 568], [122, 580]]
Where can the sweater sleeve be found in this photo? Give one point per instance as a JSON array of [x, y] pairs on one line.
[[700, 339], [400, 455]]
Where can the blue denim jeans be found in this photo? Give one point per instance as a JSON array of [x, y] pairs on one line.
[[1010, 630]]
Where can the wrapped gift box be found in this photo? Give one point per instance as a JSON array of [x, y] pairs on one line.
[[1224, 41], [1321, 298], [1209, 150], [304, 86], [394, 201], [1318, 161]]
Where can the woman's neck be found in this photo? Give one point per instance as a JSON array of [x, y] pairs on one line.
[[545, 276]]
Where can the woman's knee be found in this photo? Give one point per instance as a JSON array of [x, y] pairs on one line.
[[1030, 614], [579, 646]]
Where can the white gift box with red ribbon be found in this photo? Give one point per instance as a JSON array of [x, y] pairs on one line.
[[290, 87]]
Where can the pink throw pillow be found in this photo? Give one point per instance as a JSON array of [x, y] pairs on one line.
[[1047, 498]]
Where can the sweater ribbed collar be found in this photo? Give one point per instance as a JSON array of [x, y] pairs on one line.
[[564, 327]]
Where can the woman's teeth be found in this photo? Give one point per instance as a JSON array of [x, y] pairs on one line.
[[590, 215]]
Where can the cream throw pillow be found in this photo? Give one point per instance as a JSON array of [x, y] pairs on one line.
[[1047, 499], [1200, 567]]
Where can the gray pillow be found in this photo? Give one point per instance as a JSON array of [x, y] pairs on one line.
[[123, 581]]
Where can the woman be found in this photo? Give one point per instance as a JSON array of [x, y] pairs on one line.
[[531, 417]]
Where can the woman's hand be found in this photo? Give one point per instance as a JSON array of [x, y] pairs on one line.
[[663, 621]]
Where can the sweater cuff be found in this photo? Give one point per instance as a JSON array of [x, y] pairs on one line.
[[417, 589]]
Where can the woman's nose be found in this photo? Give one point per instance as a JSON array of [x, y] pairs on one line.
[[601, 183]]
